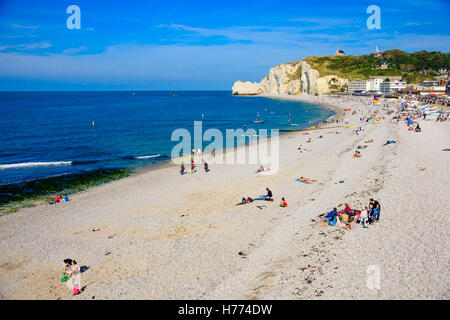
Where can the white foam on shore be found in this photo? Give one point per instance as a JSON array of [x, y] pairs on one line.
[[34, 164], [147, 157]]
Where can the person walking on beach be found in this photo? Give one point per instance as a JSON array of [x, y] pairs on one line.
[[182, 168], [192, 166]]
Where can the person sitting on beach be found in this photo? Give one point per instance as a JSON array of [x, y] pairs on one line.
[[347, 209], [332, 221], [357, 154], [65, 198], [309, 140], [269, 195], [57, 199], [50, 201], [260, 169], [283, 203], [418, 128], [348, 225], [328, 215]]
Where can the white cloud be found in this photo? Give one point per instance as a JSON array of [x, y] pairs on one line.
[[75, 50], [27, 46]]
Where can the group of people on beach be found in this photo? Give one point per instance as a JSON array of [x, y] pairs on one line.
[[58, 199], [193, 166], [347, 217]]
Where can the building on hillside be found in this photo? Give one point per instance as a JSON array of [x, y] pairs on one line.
[[443, 70], [358, 86], [377, 53], [429, 83], [392, 86], [383, 65], [339, 52]]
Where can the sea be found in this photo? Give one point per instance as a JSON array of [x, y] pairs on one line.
[[52, 134]]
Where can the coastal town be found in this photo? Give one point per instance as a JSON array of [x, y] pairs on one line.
[[376, 76]]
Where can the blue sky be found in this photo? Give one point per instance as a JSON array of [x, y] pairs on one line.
[[174, 45]]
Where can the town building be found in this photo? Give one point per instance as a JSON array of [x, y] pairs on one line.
[[377, 53], [391, 86], [339, 52], [358, 86], [429, 83], [383, 65], [374, 84]]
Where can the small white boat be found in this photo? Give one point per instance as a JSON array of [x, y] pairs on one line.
[[257, 120]]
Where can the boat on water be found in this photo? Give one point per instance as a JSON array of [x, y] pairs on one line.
[[257, 120]]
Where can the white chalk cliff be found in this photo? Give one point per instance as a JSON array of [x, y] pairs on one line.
[[291, 78]]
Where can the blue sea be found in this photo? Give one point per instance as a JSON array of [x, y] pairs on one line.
[[47, 134]]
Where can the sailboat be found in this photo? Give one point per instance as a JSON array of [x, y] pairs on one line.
[[258, 120]]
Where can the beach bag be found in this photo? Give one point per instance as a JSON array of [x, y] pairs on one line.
[[63, 278], [76, 290]]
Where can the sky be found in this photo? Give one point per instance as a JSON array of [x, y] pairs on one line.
[[196, 45]]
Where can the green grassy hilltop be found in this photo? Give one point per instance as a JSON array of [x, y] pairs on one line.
[[407, 65]]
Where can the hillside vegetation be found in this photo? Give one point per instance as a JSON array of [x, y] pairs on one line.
[[407, 65]]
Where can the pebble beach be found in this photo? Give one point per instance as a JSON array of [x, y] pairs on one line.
[[169, 236]]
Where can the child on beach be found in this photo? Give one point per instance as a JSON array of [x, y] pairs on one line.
[[283, 203], [74, 277]]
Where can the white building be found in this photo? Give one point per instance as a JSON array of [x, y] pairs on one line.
[[391, 86], [360, 85], [373, 84]]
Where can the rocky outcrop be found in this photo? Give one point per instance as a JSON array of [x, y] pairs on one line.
[[291, 78]]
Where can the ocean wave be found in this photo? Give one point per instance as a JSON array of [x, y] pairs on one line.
[[34, 164], [147, 157]]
